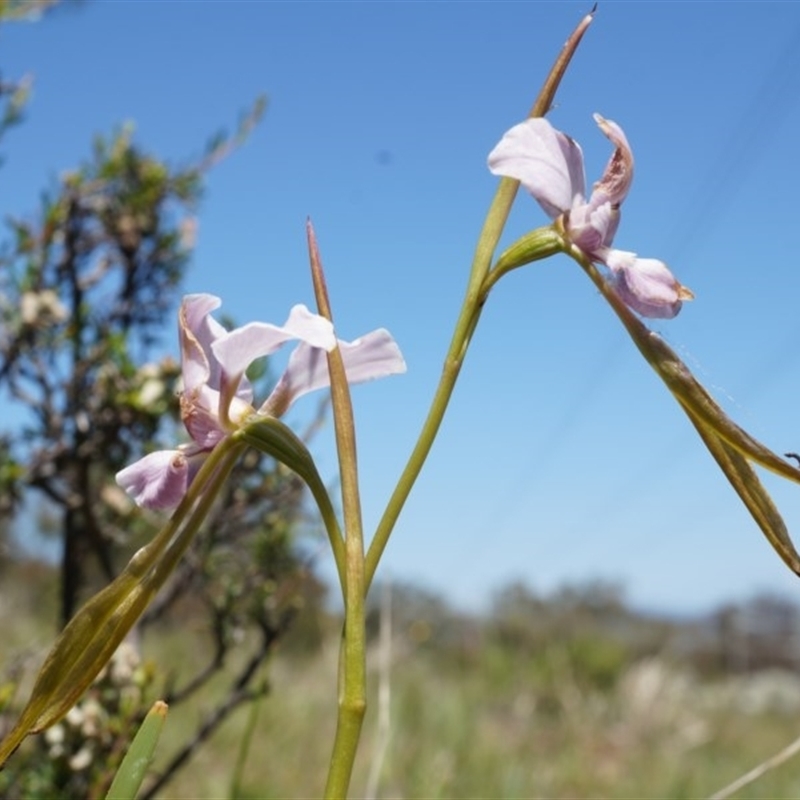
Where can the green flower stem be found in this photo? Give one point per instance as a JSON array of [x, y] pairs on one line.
[[246, 742], [352, 662], [271, 436], [537, 245], [480, 281], [331, 523]]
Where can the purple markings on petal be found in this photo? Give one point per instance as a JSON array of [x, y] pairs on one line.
[[545, 161], [200, 415], [157, 481]]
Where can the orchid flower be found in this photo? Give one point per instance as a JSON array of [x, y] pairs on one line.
[[217, 398], [549, 164]]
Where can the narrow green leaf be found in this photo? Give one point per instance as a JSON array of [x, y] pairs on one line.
[[134, 766]]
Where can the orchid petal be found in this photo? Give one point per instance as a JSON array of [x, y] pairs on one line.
[[240, 347], [646, 285], [157, 481], [617, 177], [591, 229], [545, 161], [200, 415], [197, 330], [374, 355]]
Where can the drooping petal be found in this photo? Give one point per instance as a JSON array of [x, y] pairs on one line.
[[545, 161], [646, 285], [374, 355], [236, 350], [613, 187], [157, 481]]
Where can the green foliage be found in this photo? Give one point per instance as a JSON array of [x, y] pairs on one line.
[[84, 292], [133, 768], [470, 717]]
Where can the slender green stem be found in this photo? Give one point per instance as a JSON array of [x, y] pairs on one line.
[[246, 743], [331, 524], [269, 435], [480, 280], [360, 569], [352, 664], [468, 319]]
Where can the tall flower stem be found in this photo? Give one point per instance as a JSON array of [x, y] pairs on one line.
[[352, 661], [468, 318]]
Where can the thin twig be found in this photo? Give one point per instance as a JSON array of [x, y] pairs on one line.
[[757, 772]]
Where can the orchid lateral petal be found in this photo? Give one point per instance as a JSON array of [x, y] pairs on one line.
[[240, 347], [374, 355], [158, 480], [545, 161]]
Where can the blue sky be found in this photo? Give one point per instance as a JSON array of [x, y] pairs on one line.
[[563, 458]]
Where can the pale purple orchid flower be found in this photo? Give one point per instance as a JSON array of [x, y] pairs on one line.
[[217, 397], [549, 164]]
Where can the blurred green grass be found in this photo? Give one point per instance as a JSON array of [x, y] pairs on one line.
[[492, 727], [525, 706]]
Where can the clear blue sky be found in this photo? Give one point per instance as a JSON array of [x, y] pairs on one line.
[[563, 457]]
